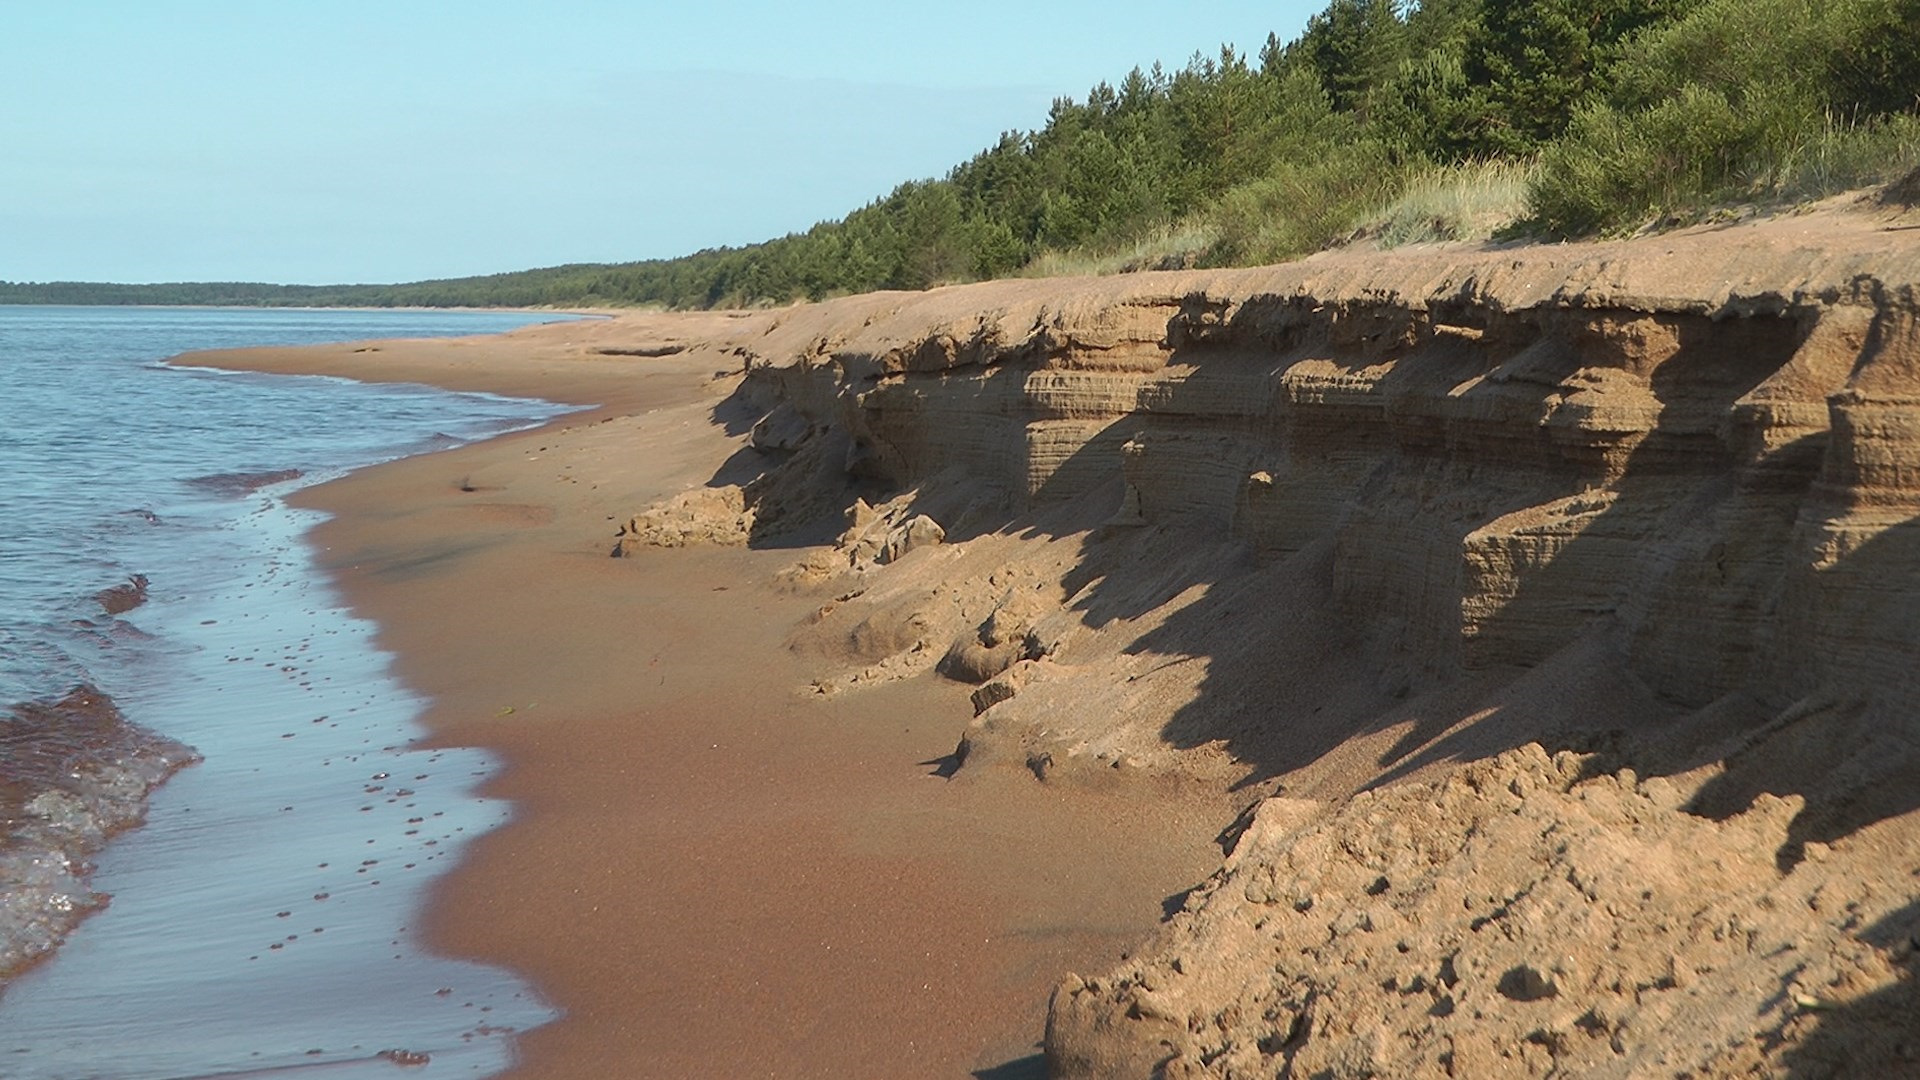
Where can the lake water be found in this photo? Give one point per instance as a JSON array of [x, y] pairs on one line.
[[258, 921]]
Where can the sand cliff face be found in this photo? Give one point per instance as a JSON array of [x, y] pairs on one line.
[[1632, 528]]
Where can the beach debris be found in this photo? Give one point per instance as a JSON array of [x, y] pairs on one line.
[[125, 596]]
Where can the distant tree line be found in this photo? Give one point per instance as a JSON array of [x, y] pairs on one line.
[[1621, 110]]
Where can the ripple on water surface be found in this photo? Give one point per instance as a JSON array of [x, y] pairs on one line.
[[261, 921]]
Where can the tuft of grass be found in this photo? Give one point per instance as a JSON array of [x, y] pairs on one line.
[[1470, 201], [1843, 157], [1302, 207], [1178, 246]]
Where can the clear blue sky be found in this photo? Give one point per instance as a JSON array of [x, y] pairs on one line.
[[325, 141]]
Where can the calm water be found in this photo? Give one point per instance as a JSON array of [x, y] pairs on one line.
[[259, 921]]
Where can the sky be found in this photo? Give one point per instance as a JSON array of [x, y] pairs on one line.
[[328, 141]]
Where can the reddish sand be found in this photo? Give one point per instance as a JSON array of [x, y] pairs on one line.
[[1431, 527], [712, 873]]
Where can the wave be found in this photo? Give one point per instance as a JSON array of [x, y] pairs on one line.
[[236, 484], [73, 773]]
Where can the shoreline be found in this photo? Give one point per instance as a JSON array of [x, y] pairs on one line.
[[1484, 584], [702, 862], [247, 914], [195, 967], [582, 312]]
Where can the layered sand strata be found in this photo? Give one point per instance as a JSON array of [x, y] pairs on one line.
[[1547, 615]]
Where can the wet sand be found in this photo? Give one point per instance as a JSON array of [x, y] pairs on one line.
[[710, 872]]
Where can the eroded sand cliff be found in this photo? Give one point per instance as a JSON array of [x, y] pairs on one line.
[[1554, 610]]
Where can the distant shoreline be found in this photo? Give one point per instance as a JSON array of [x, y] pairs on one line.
[[583, 312]]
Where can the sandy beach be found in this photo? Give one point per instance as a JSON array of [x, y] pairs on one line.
[[1460, 662], [711, 872], [1386, 548]]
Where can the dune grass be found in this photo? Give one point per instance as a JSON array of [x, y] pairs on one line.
[[1164, 247], [1471, 202], [1842, 157]]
